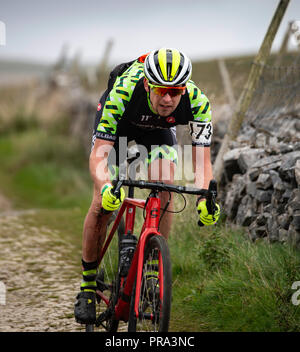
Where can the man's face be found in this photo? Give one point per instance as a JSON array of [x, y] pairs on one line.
[[162, 105]]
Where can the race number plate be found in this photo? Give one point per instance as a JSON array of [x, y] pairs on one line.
[[201, 133]]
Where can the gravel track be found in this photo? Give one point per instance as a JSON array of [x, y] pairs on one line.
[[41, 281], [40, 275]]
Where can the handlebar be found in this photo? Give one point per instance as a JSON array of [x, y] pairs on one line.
[[210, 194], [160, 186]]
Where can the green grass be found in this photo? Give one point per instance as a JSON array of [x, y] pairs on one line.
[[43, 170], [223, 282]]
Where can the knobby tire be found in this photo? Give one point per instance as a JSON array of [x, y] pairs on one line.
[[149, 305], [112, 279]]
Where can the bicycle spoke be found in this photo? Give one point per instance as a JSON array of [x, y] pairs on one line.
[[108, 285], [153, 314], [149, 304]]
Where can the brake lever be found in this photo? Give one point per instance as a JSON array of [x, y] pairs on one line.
[[116, 188], [117, 184], [211, 198]]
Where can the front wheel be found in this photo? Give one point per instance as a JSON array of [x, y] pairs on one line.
[[154, 303]]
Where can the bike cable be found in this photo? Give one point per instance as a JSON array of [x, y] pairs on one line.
[[165, 209]]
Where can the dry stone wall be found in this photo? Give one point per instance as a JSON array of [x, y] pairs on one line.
[[260, 186]]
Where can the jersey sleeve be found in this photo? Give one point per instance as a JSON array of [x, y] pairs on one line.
[[117, 100], [200, 127]]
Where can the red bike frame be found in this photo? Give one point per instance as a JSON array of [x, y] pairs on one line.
[[150, 228]]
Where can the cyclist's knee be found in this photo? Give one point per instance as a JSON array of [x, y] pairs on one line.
[[96, 206]]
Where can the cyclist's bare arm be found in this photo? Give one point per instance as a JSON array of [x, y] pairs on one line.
[[202, 166], [98, 162]]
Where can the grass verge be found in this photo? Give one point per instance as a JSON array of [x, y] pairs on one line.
[[223, 282]]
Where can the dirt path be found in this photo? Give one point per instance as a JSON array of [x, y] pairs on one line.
[[41, 282], [39, 274]]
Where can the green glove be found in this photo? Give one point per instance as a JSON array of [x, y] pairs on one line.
[[206, 219], [109, 201]]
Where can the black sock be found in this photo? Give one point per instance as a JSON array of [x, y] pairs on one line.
[[89, 273]]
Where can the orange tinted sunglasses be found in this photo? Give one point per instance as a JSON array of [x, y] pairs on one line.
[[162, 90]]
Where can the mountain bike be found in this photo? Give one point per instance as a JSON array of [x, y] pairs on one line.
[[140, 296]]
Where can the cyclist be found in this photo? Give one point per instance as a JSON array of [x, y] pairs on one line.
[[145, 100]]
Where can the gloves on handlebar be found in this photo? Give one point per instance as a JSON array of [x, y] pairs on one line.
[[206, 219], [109, 201]]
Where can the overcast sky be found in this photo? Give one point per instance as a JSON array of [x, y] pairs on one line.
[[37, 29]]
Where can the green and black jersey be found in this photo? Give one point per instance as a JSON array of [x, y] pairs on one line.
[[126, 109]]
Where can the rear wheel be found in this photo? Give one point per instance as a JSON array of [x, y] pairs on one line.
[[108, 281], [154, 303]]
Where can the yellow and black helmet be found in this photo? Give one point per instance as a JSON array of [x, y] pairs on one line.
[[168, 67]]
